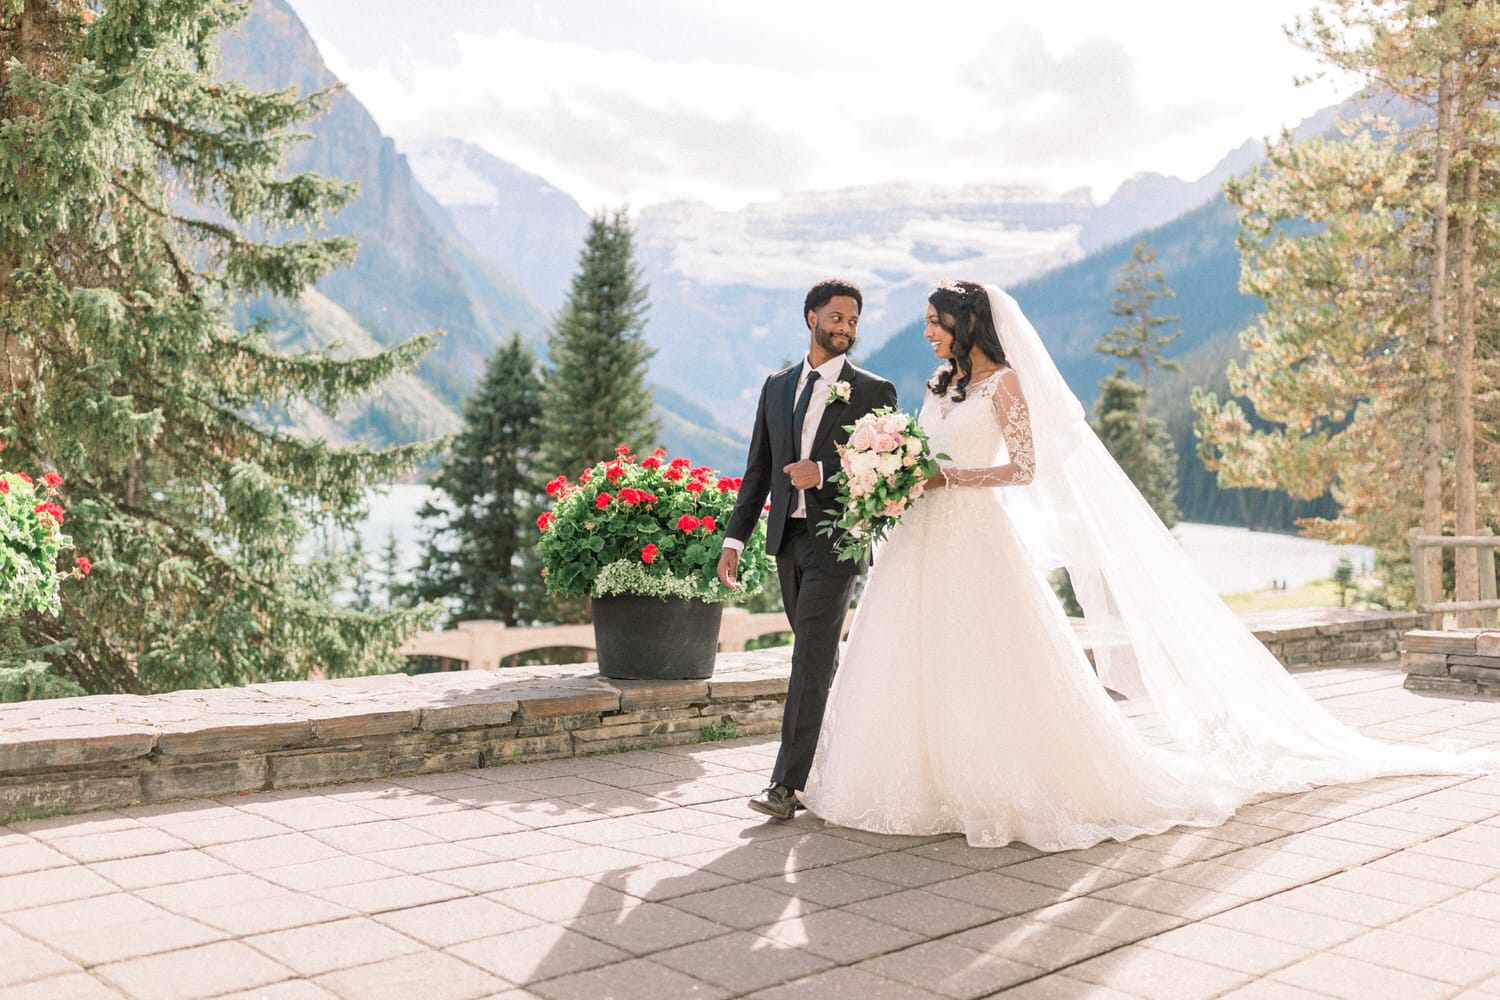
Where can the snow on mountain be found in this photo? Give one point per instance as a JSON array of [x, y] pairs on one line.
[[520, 223]]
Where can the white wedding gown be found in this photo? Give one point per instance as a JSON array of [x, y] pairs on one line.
[[965, 702]]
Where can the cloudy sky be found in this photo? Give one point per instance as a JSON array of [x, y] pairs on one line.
[[642, 101]]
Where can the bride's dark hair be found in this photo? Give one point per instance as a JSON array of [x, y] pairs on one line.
[[963, 309]]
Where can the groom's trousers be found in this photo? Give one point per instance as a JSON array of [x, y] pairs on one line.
[[816, 596]]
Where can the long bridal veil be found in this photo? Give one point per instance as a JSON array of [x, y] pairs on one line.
[[1156, 628]]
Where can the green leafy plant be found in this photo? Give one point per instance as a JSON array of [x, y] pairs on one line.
[[717, 730], [651, 527]]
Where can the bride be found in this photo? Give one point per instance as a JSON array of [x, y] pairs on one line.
[[966, 702]]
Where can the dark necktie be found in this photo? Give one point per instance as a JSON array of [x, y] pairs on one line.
[[799, 412]]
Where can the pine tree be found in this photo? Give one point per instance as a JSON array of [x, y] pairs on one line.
[[481, 537], [595, 395], [1150, 462], [1141, 339], [142, 197], [1137, 441], [1365, 249]]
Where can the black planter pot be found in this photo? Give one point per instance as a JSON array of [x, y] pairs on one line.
[[656, 638]]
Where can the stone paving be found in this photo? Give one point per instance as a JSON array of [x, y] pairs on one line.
[[642, 875]]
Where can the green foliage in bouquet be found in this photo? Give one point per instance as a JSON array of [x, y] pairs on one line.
[[648, 527]]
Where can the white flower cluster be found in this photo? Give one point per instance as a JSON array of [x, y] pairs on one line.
[[879, 446]]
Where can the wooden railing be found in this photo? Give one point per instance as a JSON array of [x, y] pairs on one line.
[[1430, 591], [486, 645]]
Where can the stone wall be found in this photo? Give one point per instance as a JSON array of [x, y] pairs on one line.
[[1462, 662], [1311, 636], [108, 751]]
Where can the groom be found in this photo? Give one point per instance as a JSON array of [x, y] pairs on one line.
[[799, 425]]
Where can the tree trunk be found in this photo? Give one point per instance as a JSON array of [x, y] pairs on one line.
[[1145, 418], [1432, 406], [1466, 560], [30, 37]]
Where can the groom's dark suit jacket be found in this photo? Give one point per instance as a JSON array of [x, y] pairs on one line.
[[773, 447]]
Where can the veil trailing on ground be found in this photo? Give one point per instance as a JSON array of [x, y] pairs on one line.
[[1156, 627]]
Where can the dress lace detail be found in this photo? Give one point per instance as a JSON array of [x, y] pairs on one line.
[[1003, 389]]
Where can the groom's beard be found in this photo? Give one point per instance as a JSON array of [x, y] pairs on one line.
[[831, 343]]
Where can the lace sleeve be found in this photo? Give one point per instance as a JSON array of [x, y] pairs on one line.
[[1015, 426]]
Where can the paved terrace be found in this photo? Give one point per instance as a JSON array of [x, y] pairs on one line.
[[640, 874]]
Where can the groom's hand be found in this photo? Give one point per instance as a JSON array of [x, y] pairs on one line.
[[729, 568], [806, 474]]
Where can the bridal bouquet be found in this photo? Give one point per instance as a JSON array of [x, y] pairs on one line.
[[882, 470]]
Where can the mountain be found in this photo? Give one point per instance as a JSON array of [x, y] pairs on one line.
[[495, 257], [458, 238], [515, 220], [415, 271], [1070, 307], [735, 278]]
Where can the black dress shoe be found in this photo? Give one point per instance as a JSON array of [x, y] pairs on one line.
[[777, 801]]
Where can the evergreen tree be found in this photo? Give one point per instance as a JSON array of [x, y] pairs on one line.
[[141, 197], [1137, 441], [1366, 251], [390, 569], [1141, 339], [479, 557], [595, 396], [1149, 461]]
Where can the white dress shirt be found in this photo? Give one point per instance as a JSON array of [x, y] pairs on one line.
[[828, 373]]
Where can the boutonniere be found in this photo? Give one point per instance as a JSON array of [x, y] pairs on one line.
[[838, 392]]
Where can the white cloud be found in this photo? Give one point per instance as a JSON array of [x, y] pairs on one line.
[[652, 100]]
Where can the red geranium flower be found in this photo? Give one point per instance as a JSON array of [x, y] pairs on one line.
[[622, 450], [681, 463], [615, 471], [84, 566], [651, 463], [4, 486], [648, 554], [557, 485], [52, 479], [687, 522], [50, 509], [708, 524], [586, 475], [603, 501], [545, 521], [694, 487], [24, 478], [725, 484], [674, 474]]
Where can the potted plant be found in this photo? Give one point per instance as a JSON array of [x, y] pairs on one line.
[[642, 539]]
